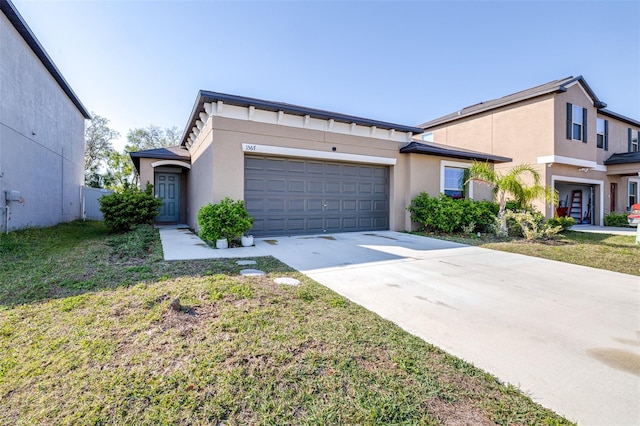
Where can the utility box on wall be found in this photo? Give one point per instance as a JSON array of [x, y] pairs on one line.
[[12, 195]]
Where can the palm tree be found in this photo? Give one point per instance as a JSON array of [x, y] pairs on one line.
[[511, 185]]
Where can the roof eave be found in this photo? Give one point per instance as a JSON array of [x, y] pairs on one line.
[[425, 149], [207, 96]]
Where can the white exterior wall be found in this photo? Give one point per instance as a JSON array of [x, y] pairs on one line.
[[41, 139]]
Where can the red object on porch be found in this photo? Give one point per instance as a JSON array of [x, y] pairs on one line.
[[562, 211]]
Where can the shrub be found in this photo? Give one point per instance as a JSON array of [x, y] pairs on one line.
[[616, 219], [564, 222], [532, 225], [124, 210], [444, 214], [227, 219]]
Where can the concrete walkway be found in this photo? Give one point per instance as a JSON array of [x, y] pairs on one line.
[[604, 230], [566, 335]]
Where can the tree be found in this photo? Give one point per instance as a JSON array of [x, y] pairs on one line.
[[121, 173], [511, 184], [97, 148], [152, 137]]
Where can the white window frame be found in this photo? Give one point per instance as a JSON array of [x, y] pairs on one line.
[[635, 142], [427, 137], [636, 195], [600, 132], [456, 165], [577, 113]]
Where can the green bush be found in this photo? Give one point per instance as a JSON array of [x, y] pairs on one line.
[[124, 210], [532, 225], [616, 219], [564, 222], [444, 214], [227, 219]]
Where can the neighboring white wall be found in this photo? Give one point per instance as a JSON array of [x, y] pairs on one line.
[[41, 139]]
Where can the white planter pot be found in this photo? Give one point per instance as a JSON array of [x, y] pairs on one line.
[[222, 243], [247, 241]]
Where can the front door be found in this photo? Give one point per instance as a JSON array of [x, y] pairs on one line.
[[167, 188]]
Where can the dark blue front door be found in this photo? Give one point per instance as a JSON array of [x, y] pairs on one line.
[[167, 188]]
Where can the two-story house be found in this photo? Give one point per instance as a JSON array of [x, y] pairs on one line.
[[589, 154]]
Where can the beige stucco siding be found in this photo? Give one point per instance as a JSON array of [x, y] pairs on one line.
[[523, 131], [218, 159], [572, 148]]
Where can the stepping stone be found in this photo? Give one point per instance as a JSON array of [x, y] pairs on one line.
[[287, 281], [252, 272], [245, 262]]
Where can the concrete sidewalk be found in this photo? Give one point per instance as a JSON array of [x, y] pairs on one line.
[[182, 244], [604, 230], [566, 335]]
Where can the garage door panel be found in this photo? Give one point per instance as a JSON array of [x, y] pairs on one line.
[[296, 205], [296, 166], [332, 187], [276, 185], [296, 186], [254, 184], [315, 168], [315, 187], [365, 188], [275, 165], [293, 196], [349, 206], [365, 205], [315, 205]]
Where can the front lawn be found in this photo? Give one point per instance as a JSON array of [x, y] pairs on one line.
[[618, 253], [87, 336]]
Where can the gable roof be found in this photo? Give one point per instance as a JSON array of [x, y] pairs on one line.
[[206, 96], [430, 148], [623, 158], [556, 86], [169, 153], [23, 29]]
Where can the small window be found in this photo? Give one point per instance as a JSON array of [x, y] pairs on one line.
[[427, 137], [454, 182], [600, 131], [633, 193], [633, 143], [577, 124]]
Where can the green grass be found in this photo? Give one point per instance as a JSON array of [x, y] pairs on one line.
[[618, 253], [87, 337]]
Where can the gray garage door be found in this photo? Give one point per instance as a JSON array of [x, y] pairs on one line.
[[289, 196]]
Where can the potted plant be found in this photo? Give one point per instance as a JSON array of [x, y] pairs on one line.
[[247, 240], [226, 220]]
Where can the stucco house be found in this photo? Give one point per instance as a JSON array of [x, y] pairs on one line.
[[587, 152], [41, 132], [300, 170]]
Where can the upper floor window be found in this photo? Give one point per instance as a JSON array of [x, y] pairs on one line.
[[576, 123], [427, 137], [633, 140], [602, 130]]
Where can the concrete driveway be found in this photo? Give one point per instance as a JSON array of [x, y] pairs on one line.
[[566, 335]]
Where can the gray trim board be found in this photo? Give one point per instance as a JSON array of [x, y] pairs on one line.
[[451, 152], [206, 96]]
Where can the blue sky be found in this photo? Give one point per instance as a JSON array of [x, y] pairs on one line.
[[142, 62]]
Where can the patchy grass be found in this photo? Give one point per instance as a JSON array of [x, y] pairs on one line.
[[87, 336], [618, 253]]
